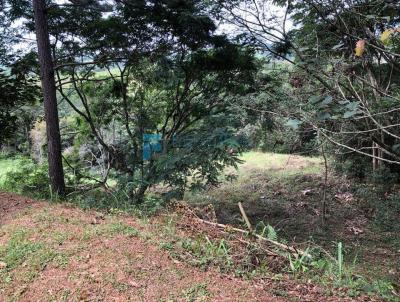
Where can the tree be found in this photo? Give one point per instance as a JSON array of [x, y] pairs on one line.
[[18, 86], [163, 71], [345, 63], [56, 172], [145, 67], [16, 91]]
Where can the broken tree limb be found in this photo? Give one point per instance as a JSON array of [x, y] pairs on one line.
[[267, 251], [246, 219], [275, 243]]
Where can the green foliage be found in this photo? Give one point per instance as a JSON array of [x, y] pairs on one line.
[[384, 206], [8, 163], [18, 249], [15, 91], [207, 252], [267, 231], [197, 293], [299, 264], [202, 155], [335, 273], [28, 178]]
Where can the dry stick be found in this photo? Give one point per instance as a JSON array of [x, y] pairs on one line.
[[278, 244], [269, 252], [246, 219], [325, 184]]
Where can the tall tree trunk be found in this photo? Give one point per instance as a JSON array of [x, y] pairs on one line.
[[56, 172]]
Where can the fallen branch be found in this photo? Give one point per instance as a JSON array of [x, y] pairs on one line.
[[267, 251], [246, 219], [291, 249]]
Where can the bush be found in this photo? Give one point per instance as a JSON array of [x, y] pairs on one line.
[[352, 167], [383, 179], [383, 205], [287, 141], [28, 179], [387, 216], [249, 137]]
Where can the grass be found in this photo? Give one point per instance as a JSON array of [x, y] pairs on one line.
[[265, 182], [267, 160], [23, 259], [55, 239], [196, 293], [278, 165]]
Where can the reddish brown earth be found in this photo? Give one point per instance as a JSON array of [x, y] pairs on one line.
[[86, 256]]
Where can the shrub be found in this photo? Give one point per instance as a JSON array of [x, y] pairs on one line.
[[28, 179]]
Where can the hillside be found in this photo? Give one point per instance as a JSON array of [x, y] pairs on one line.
[[60, 252]]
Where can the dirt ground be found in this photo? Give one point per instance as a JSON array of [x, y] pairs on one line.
[[56, 252]]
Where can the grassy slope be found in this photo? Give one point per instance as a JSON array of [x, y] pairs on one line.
[[54, 252], [57, 252], [286, 192], [271, 188]]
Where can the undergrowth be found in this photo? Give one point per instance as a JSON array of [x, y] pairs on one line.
[[335, 273]]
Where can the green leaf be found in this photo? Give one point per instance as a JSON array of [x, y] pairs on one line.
[[293, 123], [271, 235], [314, 99], [327, 100], [323, 115], [352, 106], [349, 114], [396, 147]]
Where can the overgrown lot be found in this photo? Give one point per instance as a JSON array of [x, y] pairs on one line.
[[354, 256], [286, 192]]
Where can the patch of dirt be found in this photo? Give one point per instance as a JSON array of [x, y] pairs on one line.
[[11, 203], [141, 273], [107, 267]]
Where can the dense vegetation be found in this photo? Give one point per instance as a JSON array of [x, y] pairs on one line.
[[144, 102]]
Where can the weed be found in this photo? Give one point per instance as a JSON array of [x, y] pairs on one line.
[[166, 246], [27, 178], [325, 270], [118, 202], [23, 258], [196, 293], [117, 228], [18, 249], [170, 226], [206, 252], [299, 264], [61, 260], [110, 230], [267, 231], [340, 260]]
